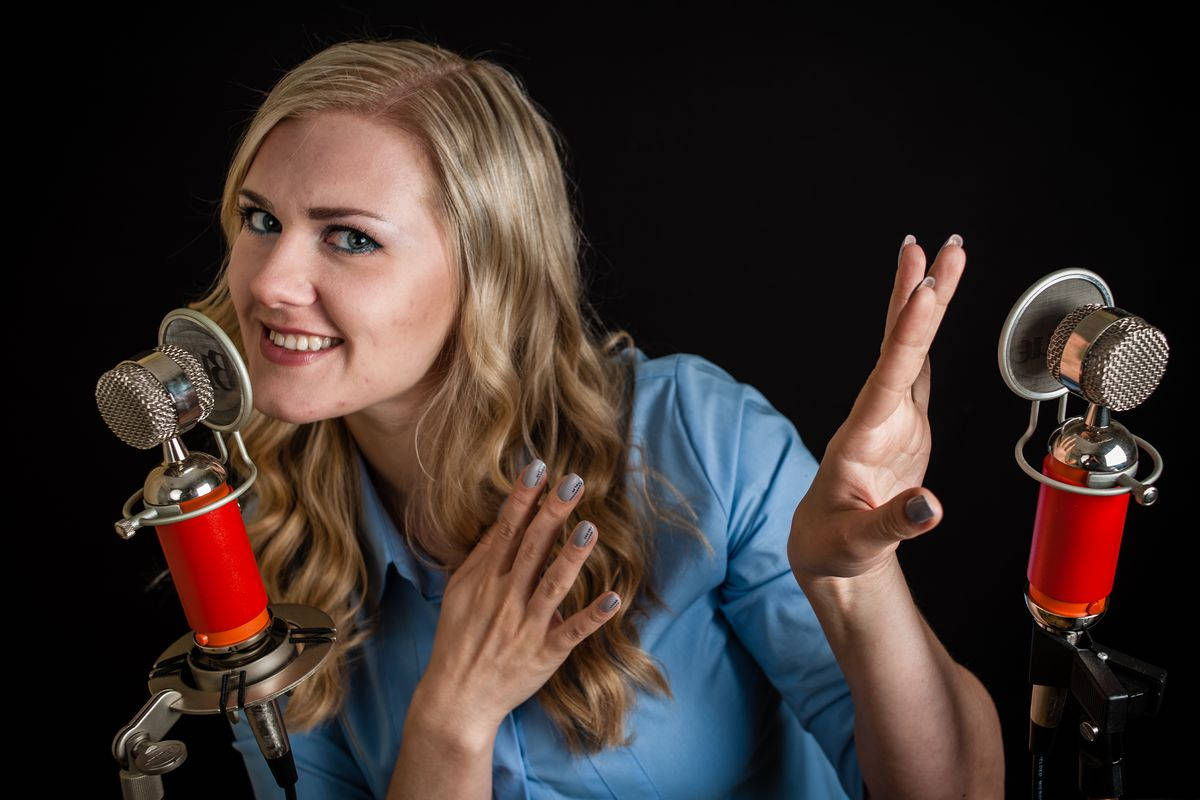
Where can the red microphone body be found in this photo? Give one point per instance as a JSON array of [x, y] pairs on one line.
[[215, 573], [1076, 543]]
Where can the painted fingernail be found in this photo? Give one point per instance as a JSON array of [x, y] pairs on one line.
[[954, 239], [534, 472], [611, 602], [569, 487], [583, 534], [929, 281], [907, 241], [918, 509]]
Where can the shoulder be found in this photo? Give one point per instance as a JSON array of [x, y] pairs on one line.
[[704, 422]]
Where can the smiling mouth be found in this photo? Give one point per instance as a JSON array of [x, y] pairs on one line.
[[300, 344]]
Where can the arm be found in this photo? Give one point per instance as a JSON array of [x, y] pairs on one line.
[[436, 761], [924, 726]]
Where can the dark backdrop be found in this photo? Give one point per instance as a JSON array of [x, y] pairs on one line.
[[745, 185]]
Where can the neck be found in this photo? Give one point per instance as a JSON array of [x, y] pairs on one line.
[[387, 446]]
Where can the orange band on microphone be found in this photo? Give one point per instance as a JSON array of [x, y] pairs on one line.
[[1065, 609], [238, 634]]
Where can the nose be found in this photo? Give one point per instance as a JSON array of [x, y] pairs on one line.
[[284, 275]]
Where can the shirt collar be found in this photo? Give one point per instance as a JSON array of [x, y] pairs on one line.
[[384, 546]]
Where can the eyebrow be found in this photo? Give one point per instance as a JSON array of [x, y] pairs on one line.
[[316, 212]]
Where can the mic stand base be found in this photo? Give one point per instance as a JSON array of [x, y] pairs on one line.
[[1101, 688], [250, 676]]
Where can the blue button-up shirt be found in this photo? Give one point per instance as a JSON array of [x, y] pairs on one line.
[[760, 708]]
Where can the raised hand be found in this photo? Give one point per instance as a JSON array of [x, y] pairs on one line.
[[500, 635], [858, 509]]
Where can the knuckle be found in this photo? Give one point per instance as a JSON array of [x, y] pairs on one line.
[[552, 587], [573, 635], [503, 530]]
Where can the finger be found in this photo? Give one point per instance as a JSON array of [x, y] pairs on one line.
[[946, 271], [542, 532], [560, 576], [583, 623], [903, 353], [501, 539], [910, 270]]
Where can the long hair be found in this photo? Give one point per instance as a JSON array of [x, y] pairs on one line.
[[525, 367]]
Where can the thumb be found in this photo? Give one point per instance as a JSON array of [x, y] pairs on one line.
[[910, 514]]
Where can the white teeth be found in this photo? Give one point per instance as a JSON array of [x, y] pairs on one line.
[[293, 342]]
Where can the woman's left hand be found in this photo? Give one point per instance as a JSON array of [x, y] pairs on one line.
[[853, 517]]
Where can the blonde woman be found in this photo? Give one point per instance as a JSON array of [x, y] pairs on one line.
[[558, 568]]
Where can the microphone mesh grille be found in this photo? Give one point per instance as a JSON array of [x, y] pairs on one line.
[[1062, 334], [1125, 364], [138, 408], [1122, 368]]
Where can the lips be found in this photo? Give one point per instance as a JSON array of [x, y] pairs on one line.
[[281, 355]]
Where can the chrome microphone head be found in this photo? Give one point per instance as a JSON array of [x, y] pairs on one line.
[[155, 397], [1108, 356]]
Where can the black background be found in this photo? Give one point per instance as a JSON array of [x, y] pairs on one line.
[[745, 184]]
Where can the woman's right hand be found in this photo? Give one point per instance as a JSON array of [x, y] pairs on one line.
[[500, 635]]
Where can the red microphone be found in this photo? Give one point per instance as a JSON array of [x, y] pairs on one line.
[[243, 653], [1064, 335]]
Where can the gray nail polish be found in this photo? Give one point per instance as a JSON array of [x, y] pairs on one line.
[[954, 239], [929, 281], [610, 603], [918, 509], [569, 487], [910, 239], [534, 472], [583, 534]]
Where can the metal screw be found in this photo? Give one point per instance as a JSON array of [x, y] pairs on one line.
[[1102, 656], [1088, 731]]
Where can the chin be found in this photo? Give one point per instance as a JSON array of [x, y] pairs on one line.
[[292, 415]]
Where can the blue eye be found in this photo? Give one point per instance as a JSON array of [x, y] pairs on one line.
[[363, 240]]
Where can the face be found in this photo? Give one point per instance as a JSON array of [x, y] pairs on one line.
[[383, 283]]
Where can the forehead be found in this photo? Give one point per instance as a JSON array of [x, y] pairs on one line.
[[339, 158]]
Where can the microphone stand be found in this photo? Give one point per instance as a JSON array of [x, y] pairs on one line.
[[1103, 688], [250, 676], [1073, 677], [191, 677]]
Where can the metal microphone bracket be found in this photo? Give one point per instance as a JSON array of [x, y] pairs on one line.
[[170, 514], [1144, 492]]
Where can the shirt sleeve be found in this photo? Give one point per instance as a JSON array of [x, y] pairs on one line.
[[759, 469], [325, 767]]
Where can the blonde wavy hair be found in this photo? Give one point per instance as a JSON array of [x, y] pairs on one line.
[[523, 368]]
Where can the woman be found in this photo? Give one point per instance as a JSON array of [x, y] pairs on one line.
[[557, 567]]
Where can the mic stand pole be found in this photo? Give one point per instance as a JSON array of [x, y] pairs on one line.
[[1096, 689]]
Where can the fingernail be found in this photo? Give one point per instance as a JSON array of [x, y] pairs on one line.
[[954, 239], [907, 241], [569, 487], [583, 534], [918, 509], [929, 281], [534, 472], [611, 602]]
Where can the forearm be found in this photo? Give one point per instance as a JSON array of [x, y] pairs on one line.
[[924, 726], [436, 761]]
